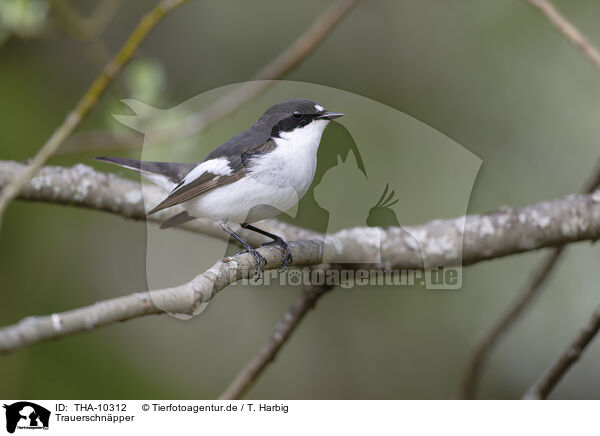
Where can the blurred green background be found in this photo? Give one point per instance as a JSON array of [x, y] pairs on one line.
[[492, 76]]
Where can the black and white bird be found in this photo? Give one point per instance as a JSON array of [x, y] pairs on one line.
[[257, 174]]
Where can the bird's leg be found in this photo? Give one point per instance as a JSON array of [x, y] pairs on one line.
[[259, 258], [277, 241]]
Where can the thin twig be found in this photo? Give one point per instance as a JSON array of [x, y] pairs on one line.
[[474, 367], [86, 31], [240, 95], [83, 29], [542, 388], [286, 61], [472, 372], [306, 43], [568, 30], [89, 99], [283, 330]]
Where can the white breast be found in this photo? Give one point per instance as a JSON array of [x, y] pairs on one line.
[[275, 182], [294, 161]]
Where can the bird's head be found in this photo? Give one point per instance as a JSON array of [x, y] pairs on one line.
[[296, 116]]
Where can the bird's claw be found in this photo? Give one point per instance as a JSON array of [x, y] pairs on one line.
[[258, 258], [285, 250]]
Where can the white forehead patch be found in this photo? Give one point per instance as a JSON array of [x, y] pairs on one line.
[[319, 108]]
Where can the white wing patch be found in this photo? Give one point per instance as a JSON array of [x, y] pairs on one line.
[[219, 167], [319, 108]]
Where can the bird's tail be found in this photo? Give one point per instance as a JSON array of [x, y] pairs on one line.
[[164, 174], [133, 164]]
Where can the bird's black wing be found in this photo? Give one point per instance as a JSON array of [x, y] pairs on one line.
[[262, 149], [207, 181]]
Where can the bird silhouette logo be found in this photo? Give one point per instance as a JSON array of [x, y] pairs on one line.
[[382, 214]]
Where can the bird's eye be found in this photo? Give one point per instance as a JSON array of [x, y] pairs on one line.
[[297, 115]]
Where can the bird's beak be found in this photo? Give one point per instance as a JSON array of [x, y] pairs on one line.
[[329, 116]]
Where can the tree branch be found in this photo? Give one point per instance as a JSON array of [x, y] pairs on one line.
[[82, 186], [87, 101], [460, 241], [183, 299], [248, 375], [548, 381]]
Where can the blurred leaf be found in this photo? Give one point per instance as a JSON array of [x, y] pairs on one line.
[[25, 18], [146, 79]]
